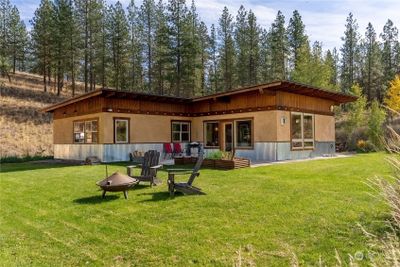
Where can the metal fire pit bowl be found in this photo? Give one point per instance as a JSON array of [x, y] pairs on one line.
[[117, 182]]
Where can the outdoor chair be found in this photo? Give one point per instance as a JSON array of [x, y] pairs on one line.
[[168, 150], [185, 188], [149, 168], [178, 151]]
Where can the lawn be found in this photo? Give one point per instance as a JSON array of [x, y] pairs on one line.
[[54, 215]]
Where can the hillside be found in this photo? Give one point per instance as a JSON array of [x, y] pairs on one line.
[[24, 130]]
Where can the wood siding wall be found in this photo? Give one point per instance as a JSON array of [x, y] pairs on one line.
[[246, 102]]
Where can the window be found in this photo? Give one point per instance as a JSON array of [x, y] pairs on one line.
[[302, 130], [86, 132], [243, 134], [121, 131], [180, 131], [211, 134]]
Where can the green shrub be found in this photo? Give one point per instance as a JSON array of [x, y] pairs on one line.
[[215, 155], [376, 119], [23, 159]]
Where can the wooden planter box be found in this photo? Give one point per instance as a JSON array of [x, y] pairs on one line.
[[224, 164], [221, 164], [184, 160]]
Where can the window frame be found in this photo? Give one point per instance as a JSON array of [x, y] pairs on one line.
[[115, 119], [180, 122], [84, 121], [205, 134], [236, 135], [302, 140]]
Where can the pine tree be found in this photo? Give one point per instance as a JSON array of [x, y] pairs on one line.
[[213, 68], [312, 68], [349, 52], [204, 42], [372, 68], [265, 57], [136, 48], [119, 37], [278, 44], [162, 55], [191, 53], [253, 43], [42, 25], [332, 61], [296, 38], [5, 34], [390, 40], [90, 13], [18, 39], [177, 12], [103, 55], [64, 41], [226, 50], [148, 21], [241, 47]]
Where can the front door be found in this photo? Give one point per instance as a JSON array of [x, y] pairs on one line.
[[228, 136]]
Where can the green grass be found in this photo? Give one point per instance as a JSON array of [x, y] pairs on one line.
[[54, 215]]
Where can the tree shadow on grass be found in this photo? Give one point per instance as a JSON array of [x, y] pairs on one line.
[[95, 199]]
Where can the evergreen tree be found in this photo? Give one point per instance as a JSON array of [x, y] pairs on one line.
[[162, 55], [278, 44], [119, 37], [332, 61], [148, 21], [376, 119], [63, 30], [296, 38], [312, 68], [226, 50], [136, 49], [177, 12], [372, 68], [98, 38], [5, 34], [265, 57], [42, 25], [253, 44], [90, 13], [356, 112], [213, 68], [191, 53], [204, 42], [390, 41], [241, 47], [349, 52], [18, 39]]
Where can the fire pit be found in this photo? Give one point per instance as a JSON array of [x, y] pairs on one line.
[[117, 182]]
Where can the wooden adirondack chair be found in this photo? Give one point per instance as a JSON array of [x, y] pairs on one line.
[[185, 188], [149, 168]]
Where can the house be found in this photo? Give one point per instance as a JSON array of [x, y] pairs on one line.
[[275, 121]]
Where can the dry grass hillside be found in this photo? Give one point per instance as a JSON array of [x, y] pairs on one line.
[[24, 130]]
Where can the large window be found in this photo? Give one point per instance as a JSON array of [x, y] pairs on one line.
[[211, 134], [243, 134], [86, 132], [302, 130], [121, 131], [180, 131]]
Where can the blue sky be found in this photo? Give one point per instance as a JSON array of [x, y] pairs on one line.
[[324, 19]]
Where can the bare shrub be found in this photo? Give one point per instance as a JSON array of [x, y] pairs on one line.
[[388, 245]]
